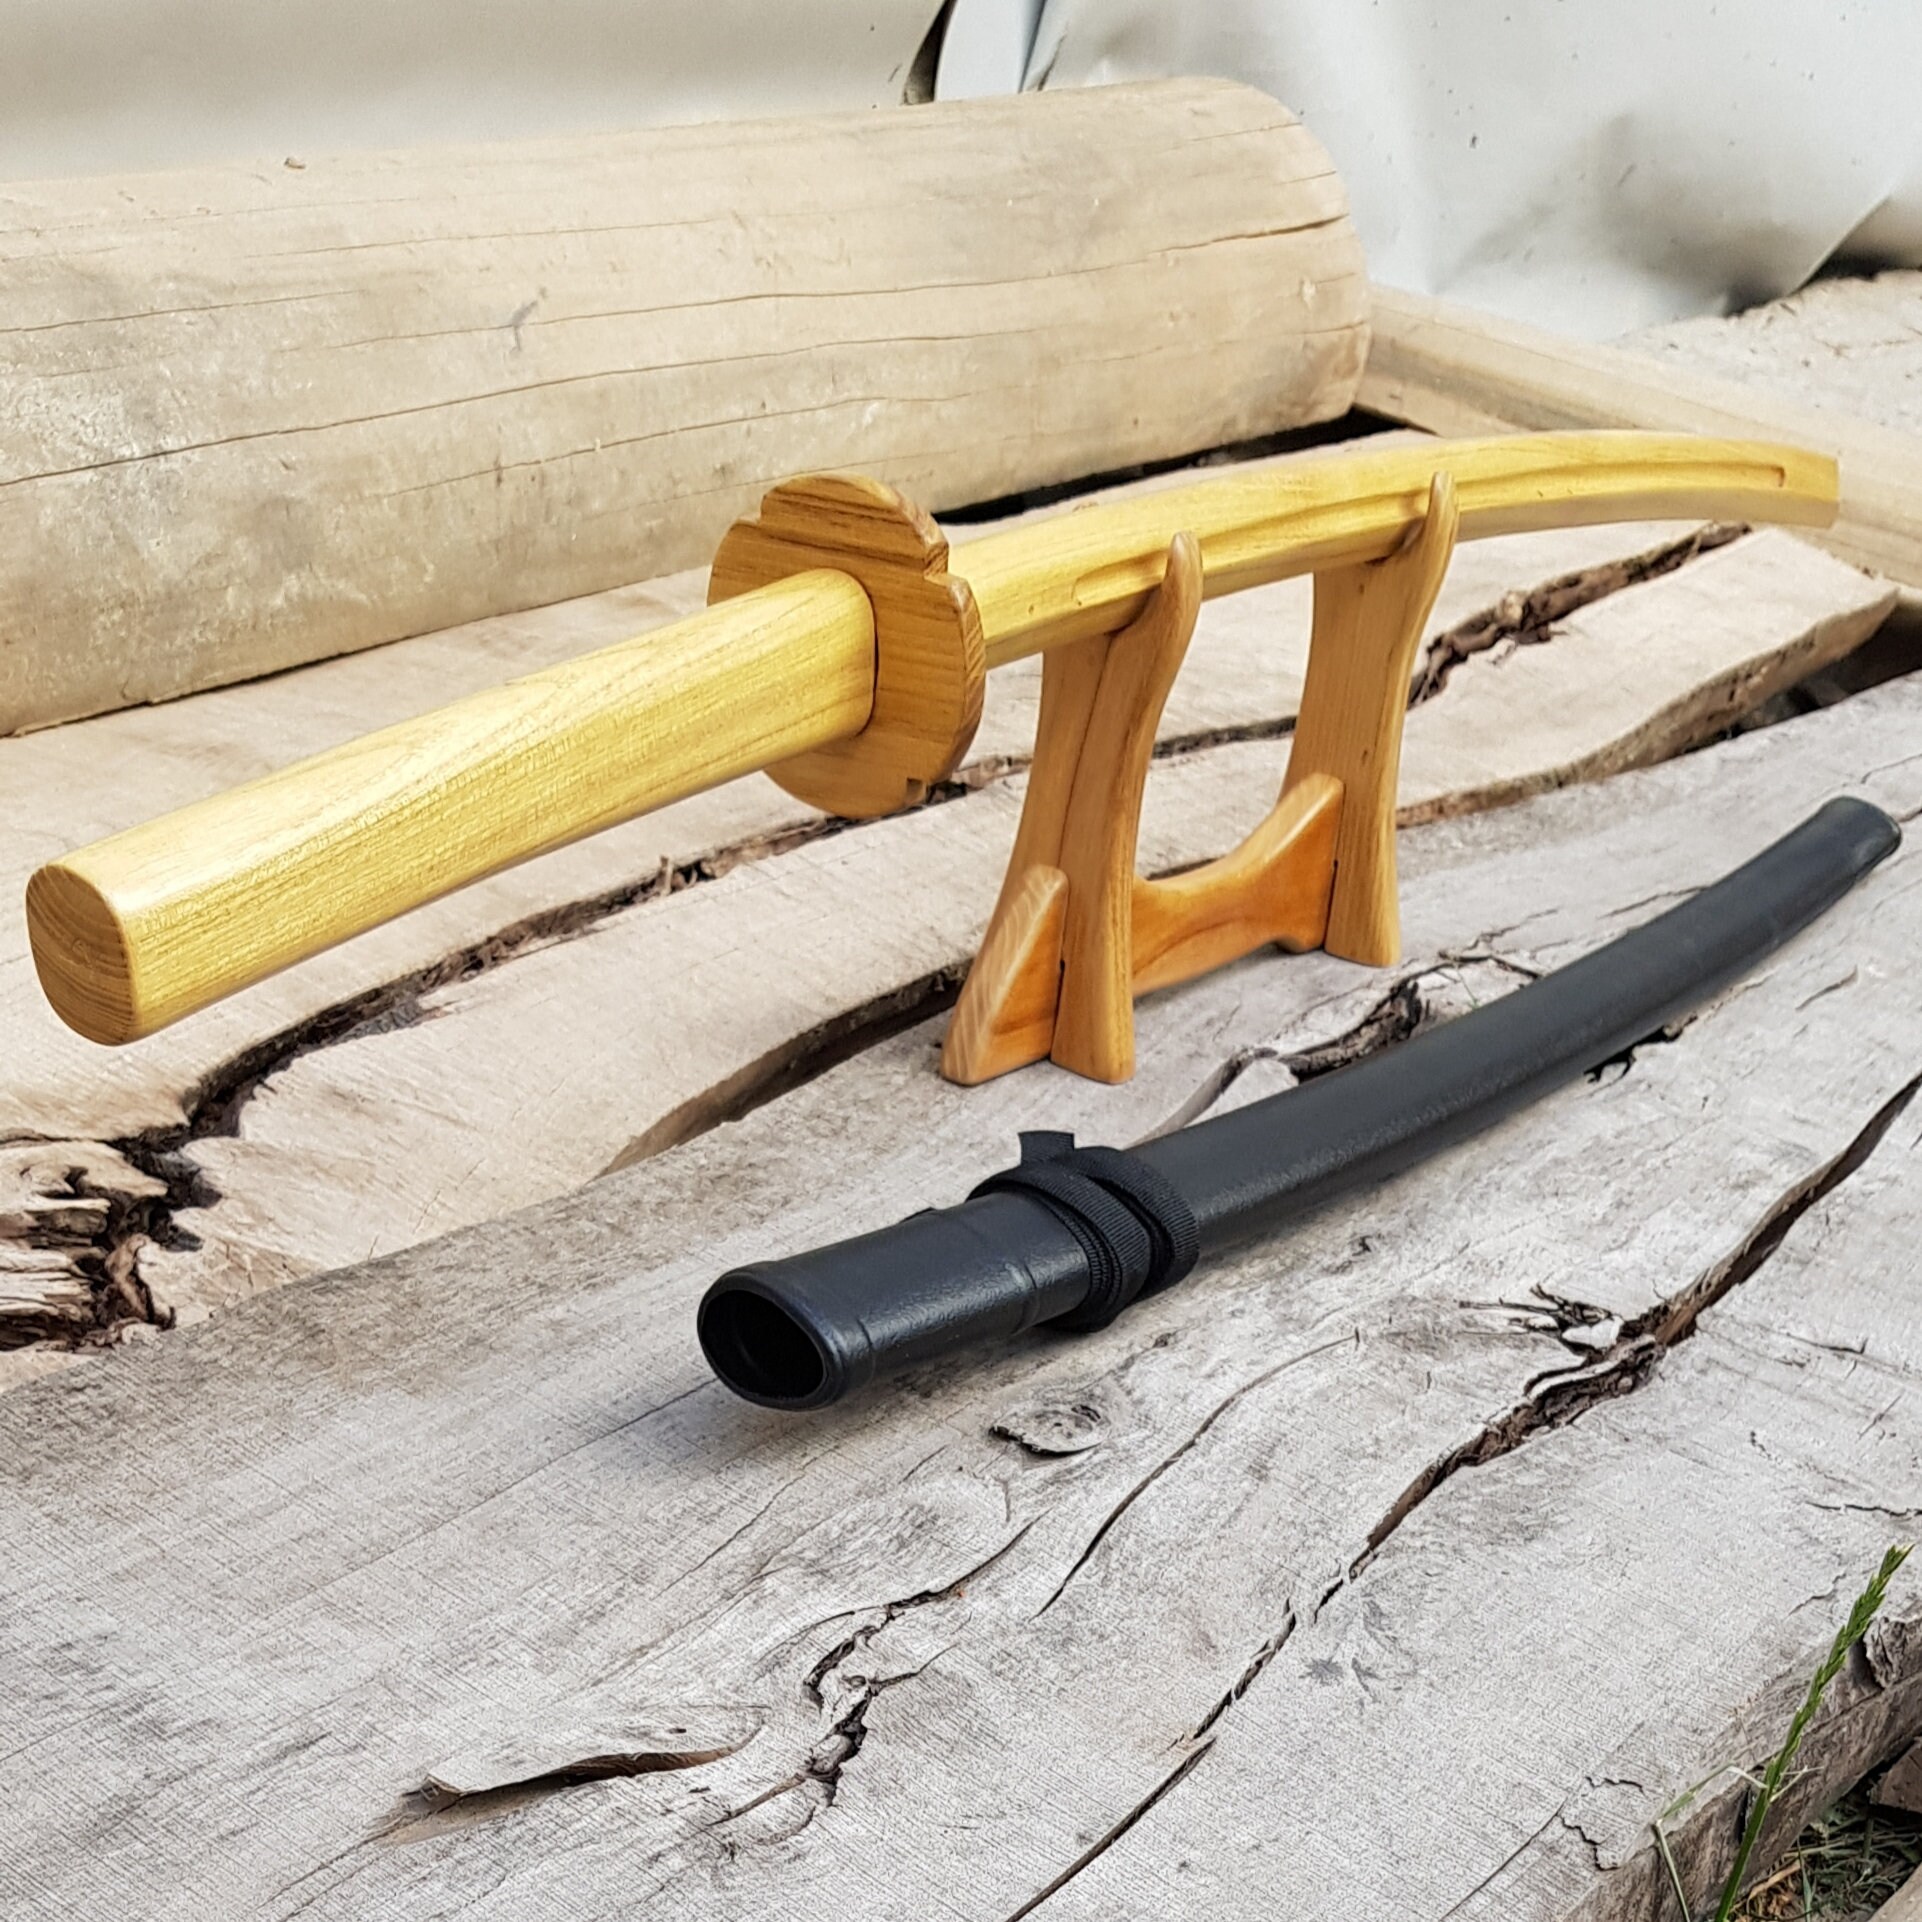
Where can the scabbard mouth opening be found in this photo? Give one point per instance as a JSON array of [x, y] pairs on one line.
[[762, 1351]]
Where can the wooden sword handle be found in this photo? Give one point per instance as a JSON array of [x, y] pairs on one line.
[[137, 930]]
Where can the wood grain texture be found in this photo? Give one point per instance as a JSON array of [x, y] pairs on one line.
[[1406, 1565], [1076, 932], [1246, 677], [136, 931], [1101, 702], [1628, 680], [1272, 889], [519, 1070], [930, 663], [1900, 1786], [1368, 625], [1051, 581], [1454, 371], [258, 415], [1005, 1017], [128, 938]]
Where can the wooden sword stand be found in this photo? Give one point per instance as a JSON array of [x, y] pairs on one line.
[[1076, 933]]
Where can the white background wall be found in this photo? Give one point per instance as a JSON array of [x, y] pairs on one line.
[[1596, 165], [101, 86]]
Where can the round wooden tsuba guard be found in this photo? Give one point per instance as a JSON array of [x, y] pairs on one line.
[[930, 659]]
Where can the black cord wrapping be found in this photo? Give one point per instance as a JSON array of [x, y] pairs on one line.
[[1137, 1232]]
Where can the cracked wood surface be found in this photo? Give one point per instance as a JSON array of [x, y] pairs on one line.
[[260, 415], [431, 1069], [531, 1079], [1406, 1564]]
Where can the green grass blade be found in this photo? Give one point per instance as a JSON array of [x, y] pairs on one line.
[[1773, 1777]]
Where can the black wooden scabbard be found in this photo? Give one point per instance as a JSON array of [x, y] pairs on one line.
[[1073, 1235]]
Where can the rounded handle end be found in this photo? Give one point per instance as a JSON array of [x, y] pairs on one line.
[[83, 956]]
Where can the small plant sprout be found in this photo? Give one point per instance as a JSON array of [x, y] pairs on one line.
[[1777, 1773]]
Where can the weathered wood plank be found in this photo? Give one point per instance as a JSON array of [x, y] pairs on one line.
[[260, 415], [1637, 676], [1730, 1504], [1452, 370], [1350, 1486], [1848, 346], [1243, 680], [525, 1081]]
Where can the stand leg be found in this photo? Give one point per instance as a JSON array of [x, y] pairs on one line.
[[1077, 934], [1005, 1016], [1368, 623], [1064, 909], [1094, 1032]]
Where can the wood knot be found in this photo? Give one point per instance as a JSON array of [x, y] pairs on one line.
[[1054, 1428]]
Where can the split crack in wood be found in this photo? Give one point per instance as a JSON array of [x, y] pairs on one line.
[[1104, 1842], [1168, 1461], [1561, 1397], [1249, 1676], [93, 1290], [1624, 1058], [1527, 619], [1588, 1841], [487, 1784], [88, 1207], [843, 1696], [1403, 1008], [471, 1790]]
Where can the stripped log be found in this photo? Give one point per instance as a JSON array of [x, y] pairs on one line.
[[259, 416], [1406, 1565]]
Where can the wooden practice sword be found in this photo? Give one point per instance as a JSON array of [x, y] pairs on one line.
[[148, 925]]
